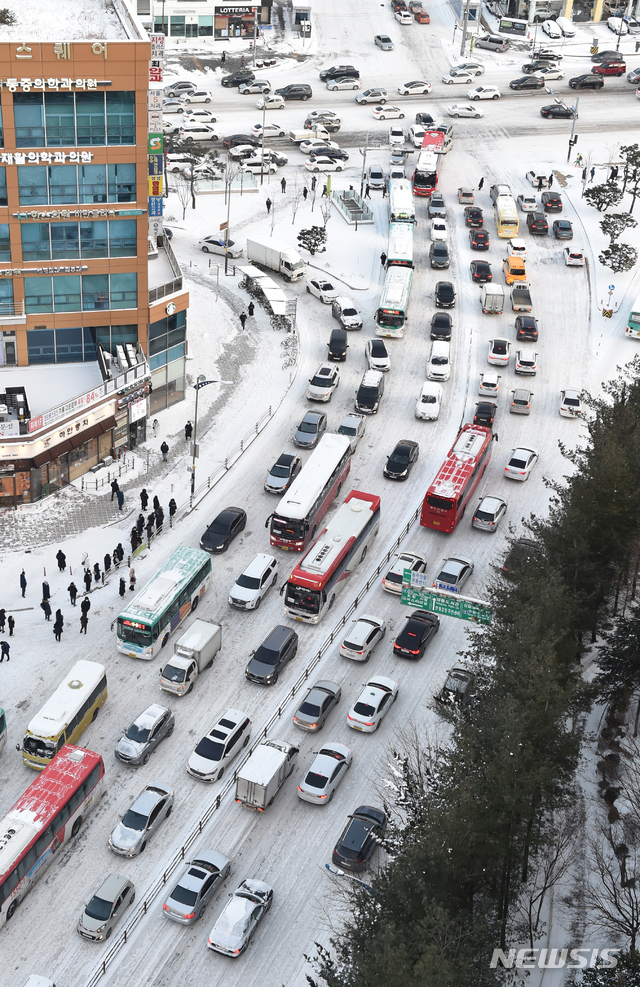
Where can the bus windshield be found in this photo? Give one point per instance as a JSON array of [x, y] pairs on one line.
[[39, 747], [394, 320], [133, 632], [302, 598], [287, 528]]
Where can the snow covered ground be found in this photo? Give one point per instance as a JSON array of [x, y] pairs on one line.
[[289, 845]]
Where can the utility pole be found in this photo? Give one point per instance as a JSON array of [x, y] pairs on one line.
[[573, 140], [255, 34], [465, 25]]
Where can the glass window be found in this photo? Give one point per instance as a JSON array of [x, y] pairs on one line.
[[6, 296], [66, 293], [28, 118], [92, 181], [158, 328], [95, 291], [122, 183], [90, 346], [158, 344], [177, 336], [158, 360], [175, 352], [90, 120], [32, 185], [68, 345], [38, 298], [5, 244], [40, 343], [121, 118], [124, 291], [93, 236], [35, 241], [123, 334], [103, 334], [177, 27], [63, 184], [59, 112], [205, 25], [3, 186], [122, 238], [64, 241]]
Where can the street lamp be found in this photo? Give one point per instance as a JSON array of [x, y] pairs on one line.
[[199, 384]]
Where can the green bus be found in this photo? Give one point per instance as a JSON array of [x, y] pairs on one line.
[[155, 612], [633, 322]]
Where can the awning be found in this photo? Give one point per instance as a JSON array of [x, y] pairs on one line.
[[89, 433], [44, 457], [110, 423]]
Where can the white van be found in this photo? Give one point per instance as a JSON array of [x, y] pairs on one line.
[[439, 362], [566, 27]]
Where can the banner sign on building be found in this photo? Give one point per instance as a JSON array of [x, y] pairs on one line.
[[155, 186], [154, 144], [156, 162], [154, 99], [155, 205]]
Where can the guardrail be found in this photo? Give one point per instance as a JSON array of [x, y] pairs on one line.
[[117, 468], [161, 881]]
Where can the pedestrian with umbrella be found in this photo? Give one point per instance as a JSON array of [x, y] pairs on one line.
[[45, 606], [72, 590], [62, 560]]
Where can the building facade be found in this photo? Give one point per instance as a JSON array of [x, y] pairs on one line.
[[204, 18]]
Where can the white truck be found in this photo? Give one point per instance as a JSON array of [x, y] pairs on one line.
[[277, 256], [304, 135], [492, 299], [193, 652], [264, 773], [521, 297]]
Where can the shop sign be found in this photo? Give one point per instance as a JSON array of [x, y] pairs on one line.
[[154, 120], [155, 205], [44, 157], [156, 226], [55, 414], [76, 213], [137, 410], [156, 162], [155, 186], [154, 99], [231, 11], [154, 144], [9, 429], [32, 447], [155, 74], [157, 45], [14, 271], [26, 85]]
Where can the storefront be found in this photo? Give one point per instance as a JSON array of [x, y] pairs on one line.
[[235, 21]]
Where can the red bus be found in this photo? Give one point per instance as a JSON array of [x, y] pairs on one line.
[[454, 483], [425, 176], [338, 550], [48, 814]]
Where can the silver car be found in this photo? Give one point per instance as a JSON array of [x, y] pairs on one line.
[[107, 906], [489, 513], [145, 733], [353, 426], [239, 918], [310, 430], [152, 806], [196, 886], [314, 709]]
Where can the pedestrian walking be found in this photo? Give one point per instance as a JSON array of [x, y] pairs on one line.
[[156, 502], [85, 606], [579, 160], [23, 583], [188, 431], [45, 606], [251, 309], [115, 486], [540, 181], [242, 61], [62, 560], [325, 191], [383, 258], [120, 499], [122, 589], [4, 650], [84, 622], [3, 617], [107, 562], [481, 184], [173, 507], [384, 191], [72, 590], [59, 618], [140, 523], [88, 579], [120, 551], [243, 319], [159, 519], [144, 499], [149, 529], [367, 192], [223, 58], [283, 184], [268, 204], [305, 193], [592, 173], [155, 425], [96, 572], [132, 579], [46, 590], [550, 180], [314, 182], [614, 173], [11, 622], [57, 631], [164, 449]]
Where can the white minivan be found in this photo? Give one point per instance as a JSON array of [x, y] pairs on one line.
[[566, 27]]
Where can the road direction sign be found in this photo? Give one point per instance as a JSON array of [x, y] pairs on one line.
[[416, 593]]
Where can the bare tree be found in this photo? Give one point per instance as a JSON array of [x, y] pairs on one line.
[[611, 893], [295, 202], [182, 188], [325, 208]]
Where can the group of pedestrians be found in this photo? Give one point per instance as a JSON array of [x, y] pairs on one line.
[[6, 621], [117, 493]]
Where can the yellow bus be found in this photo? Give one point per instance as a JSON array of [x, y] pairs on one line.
[[64, 716], [506, 215]]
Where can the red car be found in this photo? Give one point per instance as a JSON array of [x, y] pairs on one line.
[[478, 239], [610, 68]]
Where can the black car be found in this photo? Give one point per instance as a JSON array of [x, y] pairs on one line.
[[562, 229], [527, 82], [586, 82], [551, 201], [235, 139], [329, 152], [540, 63], [297, 90], [228, 524], [480, 271], [359, 838], [458, 689], [441, 326], [526, 328], [412, 640], [537, 223], [237, 78], [557, 111], [445, 294], [485, 413], [279, 647], [608, 56], [478, 239], [424, 119], [521, 553], [473, 217], [401, 460], [339, 72]]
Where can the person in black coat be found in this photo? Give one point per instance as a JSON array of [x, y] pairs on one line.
[[159, 518], [11, 622], [62, 560], [122, 589], [151, 519], [120, 551], [59, 618], [149, 529], [85, 606], [57, 630], [107, 562], [23, 583], [72, 590], [84, 621], [115, 486], [140, 523], [88, 579], [144, 499], [3, 617], [173, 507], [164, 449], [96, 572], [156, 503], [46, 591], [134, 539], [45, 606]]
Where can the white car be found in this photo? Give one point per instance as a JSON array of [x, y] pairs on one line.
[[322, 289], [269, 130], [552, 72], [323, 383], [551, 29], [316, 143], [454, 573], [573, 257], [477, 68], [416, 135], [538, 181], [353, 426], [527, 203], [570, 403], [205, 116], [237, 921], [384, 112], [274, 102], [360, 641], [439, 362], [172, 126], [377, 355], [520, 463], [344, 82], [217, 244], [257, 167], [216, 750], [325, 774], [416, 88], [396, 135], [484, 92], [323, 163], [372, 96], [242, 151], [458, 77], [404, 17], [489, 513], [499, 352], [526, 362], [517, 248], [376, 699], [617, 25], [464, 110], [438, 229], [252, 585], [392, 582], [199, 96], [199, 132], [489, 384], [429, 402]]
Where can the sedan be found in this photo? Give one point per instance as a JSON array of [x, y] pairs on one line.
[[521, 401], [145, 733], [360, 641], [485, 413], [269, 130], [473, 217], [526, 328], [329, 152], [526, 362], [392, 582], [310, 430], [238, 920], [401, 461], [479, 239], [359, 838], [344, 82], [499, 352], [484, 92], [557, 111], [321, 116], [105, 908], [439, 255], [436, 205], [489, 513], [353, 426], [241, 151], [374, 701], [551, 29], [458, 689], [282, 473], [527, 203], [323, 290], [551, 201], [196, 886], [520, 463], [586, 82], [323, 383], [383, 112], [480, 271], [464, 110], [234, 140], [438, 229], [415, 88], [527, 82], [540, 63], [219, 245], [454, 573], [429, 402], [445, 292], [476, 68], [458, 76], [377, 355], [316, 144], [441, 326], [323, 163], [314, 709], [268, 102], [396, 136], [562, 229], [325, 774], [573, 257], [383, 41], [204, 116], [221, 532], [570, 403], [549, 72], [237, 78], [414, 637], [152, 806], [173, 106]]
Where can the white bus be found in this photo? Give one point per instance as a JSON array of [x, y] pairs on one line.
[[400, 249], [153, 615], [391, 313], [401, 205]]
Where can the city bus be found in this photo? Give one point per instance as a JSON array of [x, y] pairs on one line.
[[155, 612], [64, 717], [50, 812], [400, 249], [296, 519], [506, 216], [456, 480], [391, 313], [335, 554], [633, 322], [401, 207], [512, 25], [425, 176]]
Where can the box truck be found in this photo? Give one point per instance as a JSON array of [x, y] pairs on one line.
[[193, 652], [277, 256], [264, 773]]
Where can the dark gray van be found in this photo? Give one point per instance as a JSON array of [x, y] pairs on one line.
[[370, 392], [338, 345]]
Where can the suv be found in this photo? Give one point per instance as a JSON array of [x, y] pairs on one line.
[[369, 394], [373, 96], [537, 224], [225, 740], [279, 647], [237, 78], [493, 42], [323, 383], [338, 345], [339, 71], [145, 733], [260, 86], [297, 90], [586, 82], [253, 584], [609, 68]]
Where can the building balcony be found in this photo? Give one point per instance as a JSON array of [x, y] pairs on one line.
[[12, 314], [165, 276]]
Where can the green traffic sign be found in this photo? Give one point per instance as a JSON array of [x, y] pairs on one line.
[[416, 593]]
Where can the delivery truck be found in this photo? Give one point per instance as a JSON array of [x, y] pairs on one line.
[[193, 652], [277, 256], [305, 134], [521, 297], [492, 298], [264, 773]]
